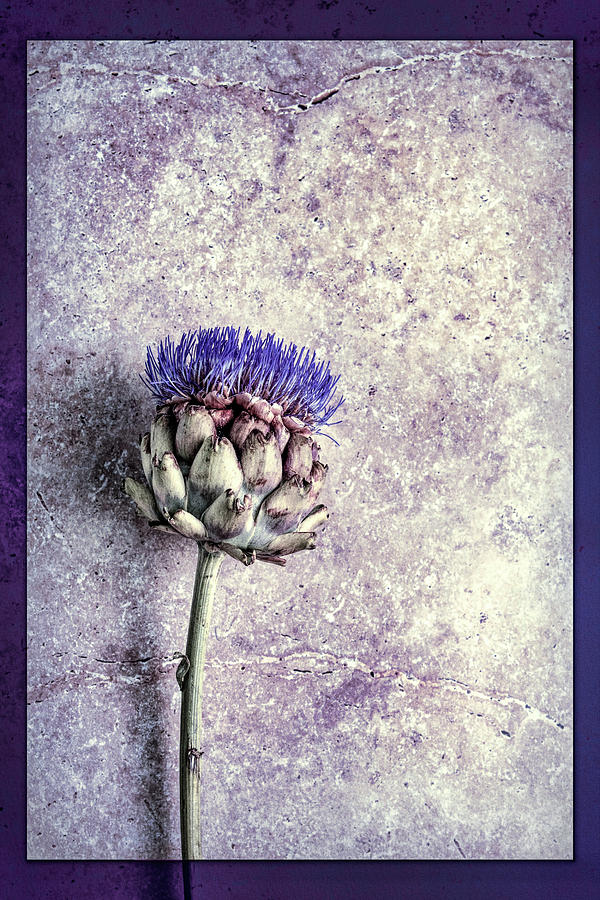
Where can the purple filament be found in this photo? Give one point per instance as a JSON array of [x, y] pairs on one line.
[[215, 359]]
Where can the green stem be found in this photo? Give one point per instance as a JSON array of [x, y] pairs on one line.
[[191, 748]]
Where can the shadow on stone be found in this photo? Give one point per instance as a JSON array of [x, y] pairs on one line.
[[107, 423]]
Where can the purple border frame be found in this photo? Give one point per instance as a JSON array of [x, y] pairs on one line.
[[301, 19]]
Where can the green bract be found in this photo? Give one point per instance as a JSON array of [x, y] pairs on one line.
[[233, 474]]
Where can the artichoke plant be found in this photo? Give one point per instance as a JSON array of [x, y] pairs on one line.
[[234, 473], [231, 461]]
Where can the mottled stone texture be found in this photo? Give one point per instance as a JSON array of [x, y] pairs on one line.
[[405, 210]]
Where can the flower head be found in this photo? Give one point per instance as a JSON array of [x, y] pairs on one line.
[[231, 459], [215, 360]]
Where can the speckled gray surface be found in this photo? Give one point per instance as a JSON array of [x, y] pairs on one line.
[[405, 690]]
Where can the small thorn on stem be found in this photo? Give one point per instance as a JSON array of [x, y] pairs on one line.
[[182, 669], [193, 758]]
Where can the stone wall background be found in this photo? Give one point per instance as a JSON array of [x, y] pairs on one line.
[[404, 209]]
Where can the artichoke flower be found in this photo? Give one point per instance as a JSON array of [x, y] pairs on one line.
[[231, 459]]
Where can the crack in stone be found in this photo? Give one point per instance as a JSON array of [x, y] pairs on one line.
[[454, 56], [459, 848], [254, 86], [292, 667], [407, 679], [162, 80], [165, 78], [127, 662], [453, 684], [73, 679], [42, 501]]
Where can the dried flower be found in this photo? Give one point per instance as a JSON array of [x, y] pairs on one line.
[[231, 459], [231, 462]]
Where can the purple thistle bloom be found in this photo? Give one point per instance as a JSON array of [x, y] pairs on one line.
[[215, 359], [230, 462]]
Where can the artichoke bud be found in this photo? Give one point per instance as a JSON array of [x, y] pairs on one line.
[[281, 432], [168, 483], [146, 456], [261, 409], [315, 519], [251, 494], [237, 553], [162, 526], [256, 406], [317, 477], [261, 463], [268, 557], [282, 510], [215, 469], [292, 542], [186, 524], [214, 400], [142, 497], [298, 456], [229, 517], [161, 436], [243, 399], [292, 423], [195, 425], [241, 427], [221, 417]]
